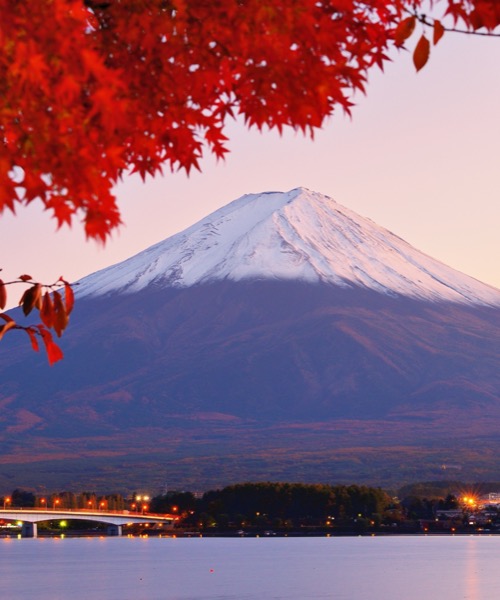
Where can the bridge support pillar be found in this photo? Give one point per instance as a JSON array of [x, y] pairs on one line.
[[114, 530], [29, 530]]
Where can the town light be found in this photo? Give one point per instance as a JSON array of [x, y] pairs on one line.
[[469, 501]]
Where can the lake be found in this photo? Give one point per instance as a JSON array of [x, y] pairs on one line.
[[337, 568]]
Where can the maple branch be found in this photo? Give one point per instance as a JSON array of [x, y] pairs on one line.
[[51, 286], [430, 22]]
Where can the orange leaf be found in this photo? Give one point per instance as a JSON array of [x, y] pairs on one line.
[[54, 353], [421, 53], [60, 318], [32, 298], [6, 327], [3, 295], [33, 340], [404, 30], [25, 277], [47, 310], [438, 31], [69, 297]]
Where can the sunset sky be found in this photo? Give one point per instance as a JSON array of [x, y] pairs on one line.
[[420, 156]]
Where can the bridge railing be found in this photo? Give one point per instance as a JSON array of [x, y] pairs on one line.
[[93, 511]]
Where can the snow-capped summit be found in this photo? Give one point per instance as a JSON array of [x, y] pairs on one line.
[[295, 235]]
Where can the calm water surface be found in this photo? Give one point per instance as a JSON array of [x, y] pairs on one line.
[[359, 568]]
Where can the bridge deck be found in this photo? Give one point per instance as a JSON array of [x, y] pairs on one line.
[[121, 517]]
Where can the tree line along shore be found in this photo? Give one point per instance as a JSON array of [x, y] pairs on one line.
[[294, 508]]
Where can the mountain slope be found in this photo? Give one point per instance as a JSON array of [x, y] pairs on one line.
[[282, 337]]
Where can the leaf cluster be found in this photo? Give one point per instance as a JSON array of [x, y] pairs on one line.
[[91, 90], [472, 14], [54, 308]]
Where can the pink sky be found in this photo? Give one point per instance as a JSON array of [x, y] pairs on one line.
[[419, 157]]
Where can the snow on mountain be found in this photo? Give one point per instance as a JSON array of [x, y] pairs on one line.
[[296, 235]]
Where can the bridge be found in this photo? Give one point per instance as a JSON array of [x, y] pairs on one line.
[[30, 517]]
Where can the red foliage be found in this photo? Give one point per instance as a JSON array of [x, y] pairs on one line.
[[93, 89], [54, 313]]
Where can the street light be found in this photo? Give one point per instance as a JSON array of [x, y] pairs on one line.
[[6, 501], [56, 503], [43, 503], [144, 498]]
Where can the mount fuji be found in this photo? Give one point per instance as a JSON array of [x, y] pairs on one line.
[[295, 236], [281, 337]]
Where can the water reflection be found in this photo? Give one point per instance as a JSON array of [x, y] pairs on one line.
[[471, 570]]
